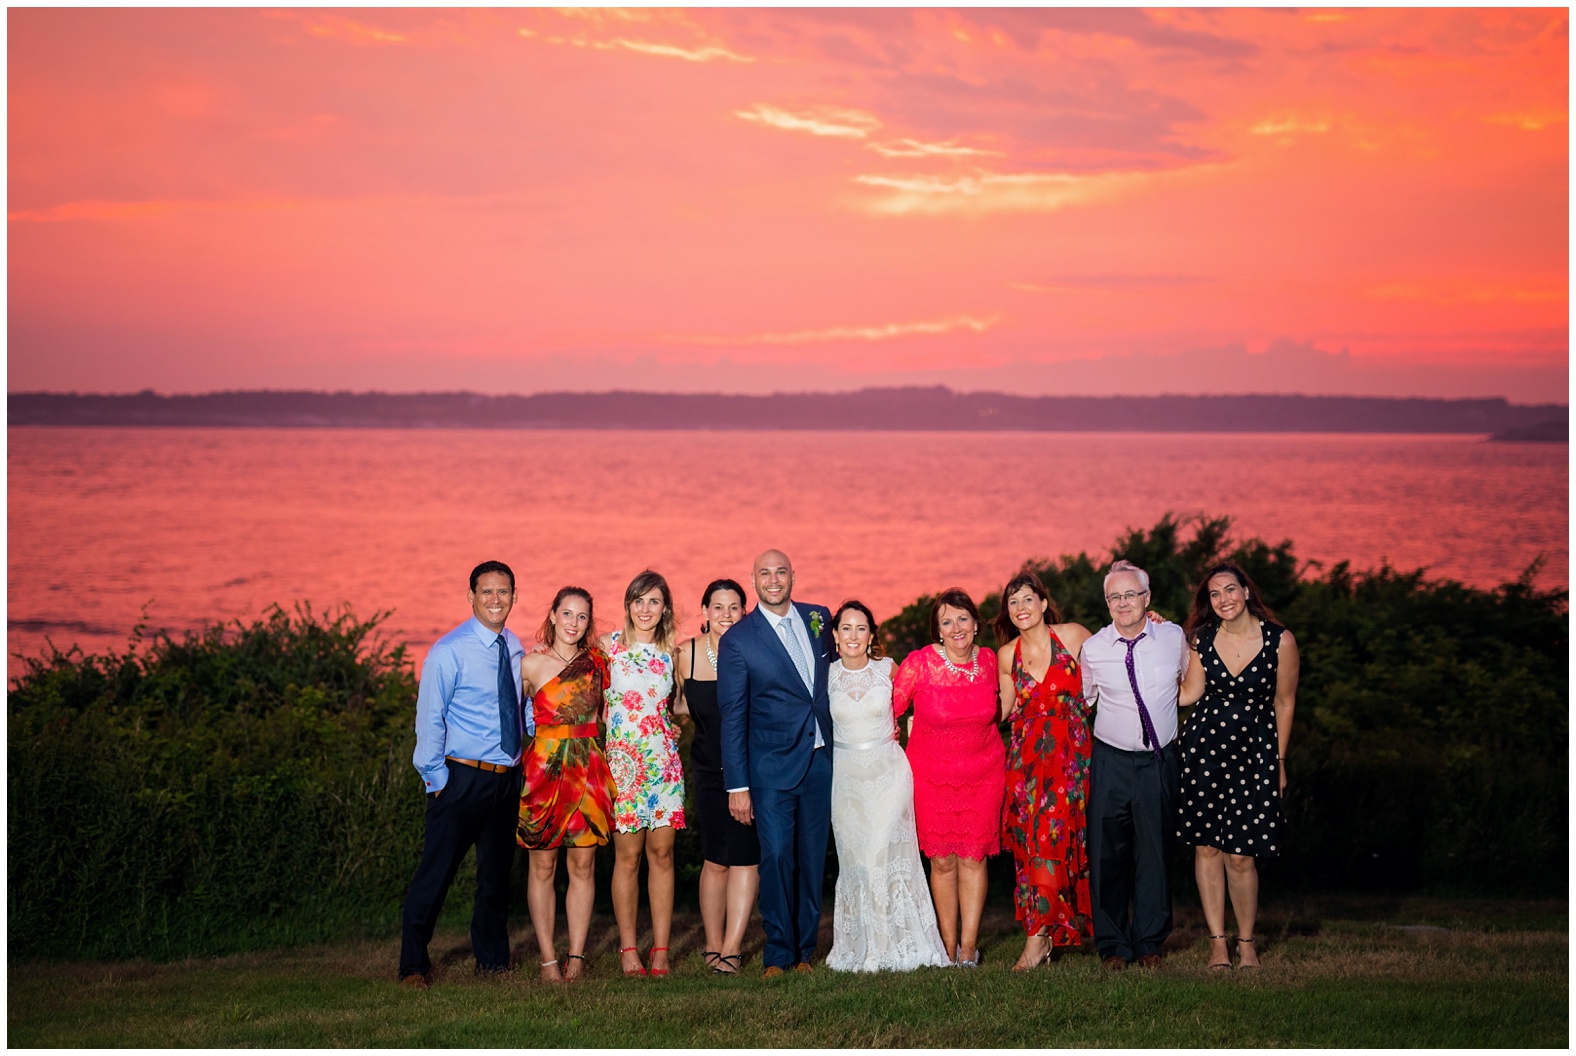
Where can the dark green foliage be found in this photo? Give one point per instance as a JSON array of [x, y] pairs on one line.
[[1429, 748], [242, 787], [251, 786]]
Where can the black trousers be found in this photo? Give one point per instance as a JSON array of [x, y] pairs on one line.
[[477, 808], [1132, 824]]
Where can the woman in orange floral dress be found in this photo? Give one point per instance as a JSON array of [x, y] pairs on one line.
[[568, 799]]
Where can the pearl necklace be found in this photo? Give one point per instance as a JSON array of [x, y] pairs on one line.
[[710, 655], [974, 663]]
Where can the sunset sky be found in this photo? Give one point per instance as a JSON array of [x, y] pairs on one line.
[[1040, 201]]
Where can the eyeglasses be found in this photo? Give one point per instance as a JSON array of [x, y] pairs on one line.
[[1132, 595]]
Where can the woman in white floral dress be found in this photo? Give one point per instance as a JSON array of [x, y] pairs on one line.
[[883, 917], [643, 755]]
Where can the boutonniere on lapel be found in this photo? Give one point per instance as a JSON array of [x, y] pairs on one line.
[[815, 625]]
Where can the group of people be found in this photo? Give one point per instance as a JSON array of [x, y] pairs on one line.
[[798, 716]]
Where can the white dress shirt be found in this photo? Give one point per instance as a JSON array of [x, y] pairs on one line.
[[1159, 661], [797, 628]]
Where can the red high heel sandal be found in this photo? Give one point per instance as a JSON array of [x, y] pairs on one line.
[[639, 969]]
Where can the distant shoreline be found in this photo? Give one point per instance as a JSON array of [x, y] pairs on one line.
[[935, 409]]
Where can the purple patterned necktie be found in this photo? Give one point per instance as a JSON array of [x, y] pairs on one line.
[[1151, 741]]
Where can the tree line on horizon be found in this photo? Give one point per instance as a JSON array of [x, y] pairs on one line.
[[249, 785], [934, 408]]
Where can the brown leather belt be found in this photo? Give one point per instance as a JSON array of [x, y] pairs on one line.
[[494, 768], [587, 729]]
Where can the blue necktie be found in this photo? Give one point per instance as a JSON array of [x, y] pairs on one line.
[[508, 703]]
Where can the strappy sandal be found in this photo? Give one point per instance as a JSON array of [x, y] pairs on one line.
[[1240, 965], [735, 961], [1041, 959], [639, 968], [710, 957], [652, 955], [1220, 966], [579, 970]]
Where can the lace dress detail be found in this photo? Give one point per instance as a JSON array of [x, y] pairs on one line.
[[960, 764], [642, 742], [882, 916]]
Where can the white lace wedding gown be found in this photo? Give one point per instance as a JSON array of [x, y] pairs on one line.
[[882, 917]]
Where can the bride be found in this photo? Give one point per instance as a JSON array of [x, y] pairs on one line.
[[883, 917]]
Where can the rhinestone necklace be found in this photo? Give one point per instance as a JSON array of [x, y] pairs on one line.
[[971, 671]]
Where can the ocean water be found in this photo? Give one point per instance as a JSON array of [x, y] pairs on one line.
[[189, 525]]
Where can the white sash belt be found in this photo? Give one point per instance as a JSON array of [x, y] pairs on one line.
[[862, 745]]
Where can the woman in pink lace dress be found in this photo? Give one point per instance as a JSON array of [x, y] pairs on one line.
[[959, 763]]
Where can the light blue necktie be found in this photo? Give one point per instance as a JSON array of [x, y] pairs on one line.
[[795, 653]]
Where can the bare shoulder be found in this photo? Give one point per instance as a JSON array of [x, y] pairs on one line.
[[1072, 636], [1288, 643], [1004, 656]]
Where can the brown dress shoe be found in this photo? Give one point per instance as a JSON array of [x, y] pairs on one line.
[[416, 981], [804, 966], [1149, 960], [772, 972], [1114, 963]]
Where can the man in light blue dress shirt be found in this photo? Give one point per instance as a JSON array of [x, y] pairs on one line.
[[470, 726]]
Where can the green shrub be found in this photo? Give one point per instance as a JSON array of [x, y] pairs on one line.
[[1429, 745], [242, 787]]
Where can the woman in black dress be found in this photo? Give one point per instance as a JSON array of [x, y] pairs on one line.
[[1243, 673], [730, 875]]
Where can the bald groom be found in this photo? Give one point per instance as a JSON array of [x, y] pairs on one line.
[[776, 756]]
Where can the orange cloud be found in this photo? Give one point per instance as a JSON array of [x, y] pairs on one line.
[[705, 47], [102, 210], [1530, 122], [1454, 293], [337, 27], [817, 120], [989, 192], [913, 148], [880, 332]]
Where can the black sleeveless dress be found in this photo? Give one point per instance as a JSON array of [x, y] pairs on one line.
[[722, 839], [1230, 788]]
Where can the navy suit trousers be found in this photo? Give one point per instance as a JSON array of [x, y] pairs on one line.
[[1132, 825], [794, 826], [477, 808]]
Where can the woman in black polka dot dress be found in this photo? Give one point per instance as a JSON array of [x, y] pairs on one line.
[[1243, 674]]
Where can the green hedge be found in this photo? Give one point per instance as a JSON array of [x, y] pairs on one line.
[[250, 785], [1429, 749], [245, 787]]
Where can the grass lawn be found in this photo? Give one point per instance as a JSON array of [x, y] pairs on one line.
[[1353, 972]]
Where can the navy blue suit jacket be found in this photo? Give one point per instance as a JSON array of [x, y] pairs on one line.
[[767, 714]]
